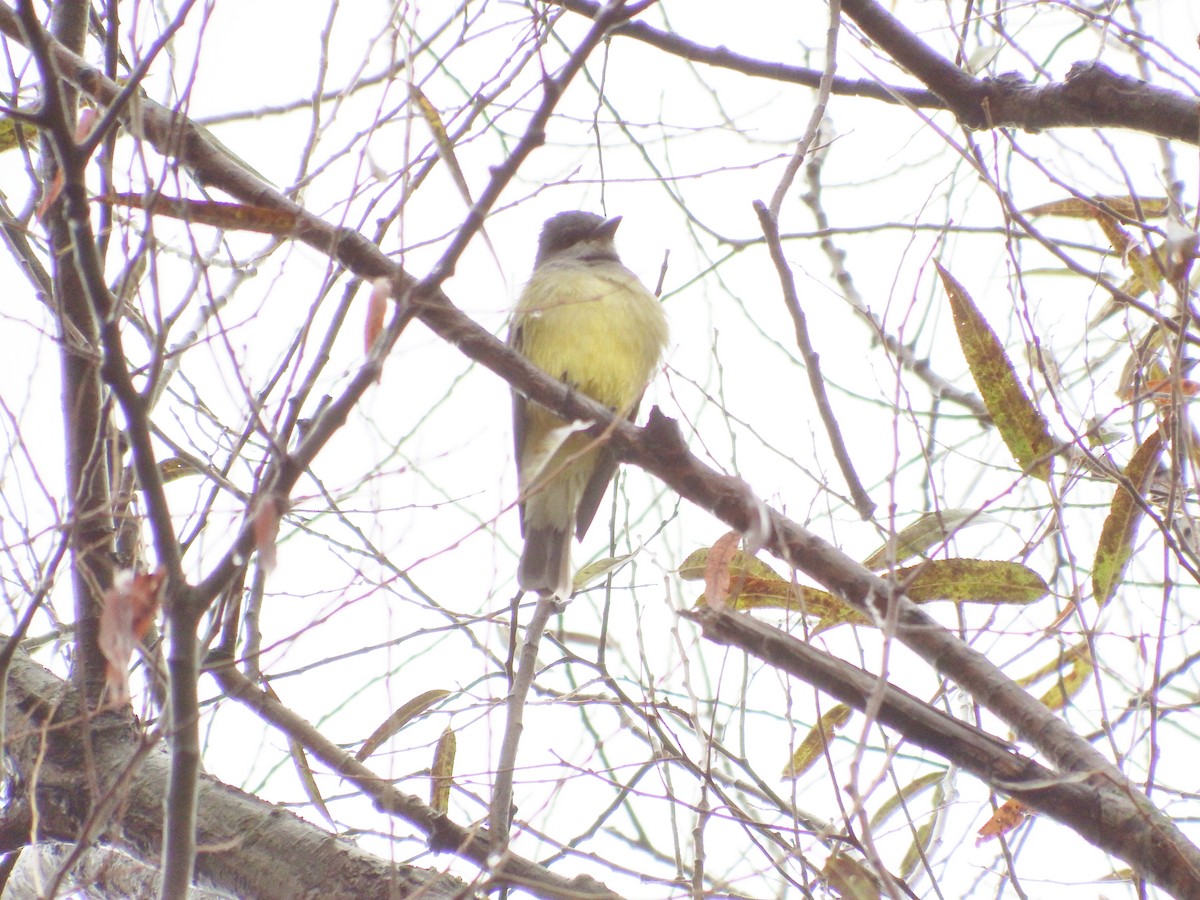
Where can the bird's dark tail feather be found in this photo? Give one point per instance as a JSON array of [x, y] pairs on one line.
[[546, 562]]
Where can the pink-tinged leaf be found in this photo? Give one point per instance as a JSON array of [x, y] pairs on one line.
[[130, 606]]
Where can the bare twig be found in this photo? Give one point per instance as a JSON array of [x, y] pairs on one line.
[[812, 363], [501, 809]]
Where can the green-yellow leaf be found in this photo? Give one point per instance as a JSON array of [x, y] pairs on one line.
[[1120, 528], [908, 793], [175, 467], [8, 134], [1064, 659], [928, 531], [308, 780], [442, 139], [1146, 273], [1019, 422], [973, 581], [757, 586], [593, 572], [398, 720], [1071, 682], [812, 748]]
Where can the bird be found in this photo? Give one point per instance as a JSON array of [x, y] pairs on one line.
[[586, 319]]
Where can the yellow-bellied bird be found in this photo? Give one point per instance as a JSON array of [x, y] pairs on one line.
[[586, 319]]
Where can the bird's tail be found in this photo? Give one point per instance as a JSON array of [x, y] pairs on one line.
[[546, 561]]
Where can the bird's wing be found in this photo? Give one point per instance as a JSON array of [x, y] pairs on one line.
[[593, 492], [519, 420]]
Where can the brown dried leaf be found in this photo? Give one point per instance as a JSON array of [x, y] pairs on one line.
[[718, 581], [1003, 820], [130, 606]]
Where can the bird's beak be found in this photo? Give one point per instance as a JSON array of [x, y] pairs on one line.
[[608, 227]]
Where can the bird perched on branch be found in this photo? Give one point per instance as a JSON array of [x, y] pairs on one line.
[[586, 319]]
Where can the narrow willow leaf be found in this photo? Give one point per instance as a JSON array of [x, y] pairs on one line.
[[758, 586], [1081, 208], [1078, 674], [973, 581], [308, 780], [1145, 269], [442, 772], [912, 790], [601, 568], [442, 139], [928, 531], [1063, 660], [1120, 528], [1023, 428], [918, 849], [398, 720], [812, 748], [8, 134], [175, 467]]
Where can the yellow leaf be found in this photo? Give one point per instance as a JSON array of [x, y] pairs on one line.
[[1023, 428], [812, 748], [442, 139], [928, 531], [593, 572], [972, 581], [1078, 674], [694, 566], [8, 134], [1120, 528], [1145, 270], [1065, 658], [398, 720]]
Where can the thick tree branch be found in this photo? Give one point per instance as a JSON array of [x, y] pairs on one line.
[[723, 58], [1091, 96], [1092, 805], [251, 848]]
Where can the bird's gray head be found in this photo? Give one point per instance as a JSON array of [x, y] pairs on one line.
[[578, 235]]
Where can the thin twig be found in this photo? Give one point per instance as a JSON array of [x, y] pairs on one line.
[[817, 116], [862, 501], [501, 811]]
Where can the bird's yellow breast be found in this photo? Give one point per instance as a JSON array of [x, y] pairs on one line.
[[594, 326]]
